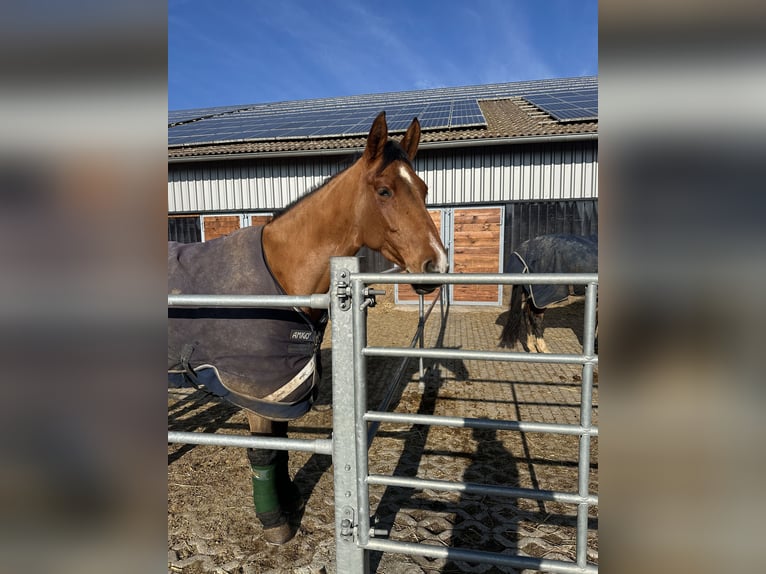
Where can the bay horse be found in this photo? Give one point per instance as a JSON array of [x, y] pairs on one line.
[[557, 253], [377, 202]]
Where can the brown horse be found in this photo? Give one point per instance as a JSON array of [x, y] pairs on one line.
[[378, 202]]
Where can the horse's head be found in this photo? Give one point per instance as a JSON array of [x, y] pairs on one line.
[[394, 219]]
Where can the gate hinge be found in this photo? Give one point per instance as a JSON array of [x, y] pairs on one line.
[[343, 290]]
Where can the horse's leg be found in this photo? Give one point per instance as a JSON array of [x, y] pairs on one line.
[[273, 493], [536, 323], [512, 327], [529, 327], [290, 497]]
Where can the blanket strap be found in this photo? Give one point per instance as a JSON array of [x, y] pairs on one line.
[[524, 263], [191, 376], [306, 372]]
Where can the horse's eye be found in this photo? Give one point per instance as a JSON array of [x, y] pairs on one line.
[[384, 192]]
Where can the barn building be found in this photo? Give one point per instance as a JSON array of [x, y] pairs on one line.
[[503, 163]]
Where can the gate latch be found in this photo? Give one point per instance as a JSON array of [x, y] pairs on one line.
[[377, 532], [369, 297], [347, 526]]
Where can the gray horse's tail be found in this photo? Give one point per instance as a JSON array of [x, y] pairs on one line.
[[510, 333]]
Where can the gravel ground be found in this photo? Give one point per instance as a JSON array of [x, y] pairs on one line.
[[211, 520]]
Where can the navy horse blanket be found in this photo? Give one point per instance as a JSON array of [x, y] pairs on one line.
[[261, 359], [555, 254]]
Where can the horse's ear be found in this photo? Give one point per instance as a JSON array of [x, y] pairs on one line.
[[377, 138], [411, 139]]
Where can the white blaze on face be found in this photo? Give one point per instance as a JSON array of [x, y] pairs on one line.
[[406, 175]]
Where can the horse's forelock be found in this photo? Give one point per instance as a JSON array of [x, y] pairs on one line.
[[393, 152]]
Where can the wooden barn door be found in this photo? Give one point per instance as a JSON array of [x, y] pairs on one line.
[[476, 247]]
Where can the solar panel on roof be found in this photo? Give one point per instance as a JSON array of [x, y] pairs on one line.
[[260, 122], [439, 108], [567, 106], [180, 116]]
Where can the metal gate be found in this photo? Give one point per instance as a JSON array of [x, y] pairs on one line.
[[354, 426]]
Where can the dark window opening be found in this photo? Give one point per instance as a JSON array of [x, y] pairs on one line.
[[185, 229], [525, 220]]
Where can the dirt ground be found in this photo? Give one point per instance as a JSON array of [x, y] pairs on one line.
[[211, 521]]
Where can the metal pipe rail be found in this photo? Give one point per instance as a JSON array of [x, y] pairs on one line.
[[486, 424], [549, 358], [318, 446], [483, 489], [240, 301], [480, 278], [520, 562]]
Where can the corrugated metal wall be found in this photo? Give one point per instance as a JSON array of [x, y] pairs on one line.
[[246, 184], [511, 173], [478, 175]]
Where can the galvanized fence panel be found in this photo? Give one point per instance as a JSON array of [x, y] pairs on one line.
[[354, 426], [363, 532]]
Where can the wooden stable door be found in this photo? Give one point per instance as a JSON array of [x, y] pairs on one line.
[[476, 248]]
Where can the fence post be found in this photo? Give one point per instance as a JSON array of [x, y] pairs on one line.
[[349, 557], [586, 422]]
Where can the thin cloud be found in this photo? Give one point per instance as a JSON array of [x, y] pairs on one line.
[[243, 52]]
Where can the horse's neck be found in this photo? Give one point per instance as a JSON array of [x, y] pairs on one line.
[[298, 244]]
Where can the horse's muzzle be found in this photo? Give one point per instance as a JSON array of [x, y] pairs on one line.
[[430, 267], [425, 289]]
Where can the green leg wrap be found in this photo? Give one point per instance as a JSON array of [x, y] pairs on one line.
[[265, 493]]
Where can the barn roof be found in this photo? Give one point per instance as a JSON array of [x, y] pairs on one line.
[[509, 111]]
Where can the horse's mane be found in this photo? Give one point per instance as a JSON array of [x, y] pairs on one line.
[[392, 152], [280, 212]]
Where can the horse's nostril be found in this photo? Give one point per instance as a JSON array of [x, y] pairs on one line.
[[431, 267]]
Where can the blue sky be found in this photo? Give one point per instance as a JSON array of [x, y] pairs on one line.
[[232, 52]]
